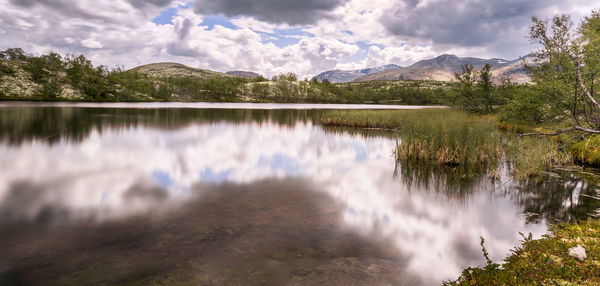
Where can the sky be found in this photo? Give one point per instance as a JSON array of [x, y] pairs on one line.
[[276, 36]]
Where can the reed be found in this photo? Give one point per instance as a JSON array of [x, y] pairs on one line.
[[432, 136], [530, 156], [472, 144]]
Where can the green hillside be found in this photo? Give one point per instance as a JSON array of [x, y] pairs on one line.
[[161, 70]]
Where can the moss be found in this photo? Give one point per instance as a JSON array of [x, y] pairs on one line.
[[545, 261], [587, 151]]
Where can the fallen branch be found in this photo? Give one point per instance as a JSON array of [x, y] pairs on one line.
[[547, 134], [558, 132]]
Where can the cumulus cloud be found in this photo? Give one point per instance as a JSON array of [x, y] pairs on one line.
[[467, 22], [92, 44], [67, 4], [333, 34], [291, 12], [500, 27]]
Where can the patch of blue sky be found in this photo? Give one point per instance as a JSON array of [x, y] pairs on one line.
[[209, 175], [281, 162], [293, 32], [285, 37], [280, 42], [163, 178], [165, 17], [361, 152], [211, 21], [363, 52], [363, 45]]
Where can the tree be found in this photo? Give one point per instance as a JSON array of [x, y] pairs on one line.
[[566, 68], [486, 88], [15, 54], [465, 88], [475, 90], [37, 68]]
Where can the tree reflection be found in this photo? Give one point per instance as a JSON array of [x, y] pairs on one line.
[[52, 124], [563, 198]]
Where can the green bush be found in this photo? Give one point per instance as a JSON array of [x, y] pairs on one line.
[[6, 69], [527, 104], [587, 151]]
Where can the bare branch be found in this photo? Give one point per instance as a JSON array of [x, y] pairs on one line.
[[580, 78], [558, 132]]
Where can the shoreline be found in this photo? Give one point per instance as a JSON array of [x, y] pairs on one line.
[[219, 105]]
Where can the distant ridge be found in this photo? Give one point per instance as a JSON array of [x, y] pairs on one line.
[[339, 76], [176, 70], [244, 74], [443, 67]]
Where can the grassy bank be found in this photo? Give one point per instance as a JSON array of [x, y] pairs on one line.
[[473, 144], [545, 261]]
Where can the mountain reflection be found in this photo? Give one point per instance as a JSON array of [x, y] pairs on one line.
[[219, 196]]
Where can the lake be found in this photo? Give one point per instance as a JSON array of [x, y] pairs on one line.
[[230, 194]]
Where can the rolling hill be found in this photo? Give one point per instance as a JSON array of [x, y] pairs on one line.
[[176, 70]]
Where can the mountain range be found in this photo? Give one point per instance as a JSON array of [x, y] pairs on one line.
[[441, 68], [338, 76]]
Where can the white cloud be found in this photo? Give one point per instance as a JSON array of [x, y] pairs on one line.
[[121, 32], [92, 44]]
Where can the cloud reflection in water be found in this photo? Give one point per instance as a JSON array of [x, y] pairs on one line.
[[121, 172]]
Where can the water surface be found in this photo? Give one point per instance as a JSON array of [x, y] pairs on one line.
[[104, 195]]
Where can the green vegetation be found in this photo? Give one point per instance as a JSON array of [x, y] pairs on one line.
[[544, 261], [470, 145], [530, 157], [565, 72], [431, 136], [75, 78], [587, 151], [475, 92]]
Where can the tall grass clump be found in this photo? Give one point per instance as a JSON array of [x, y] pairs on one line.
[[529, 156], [466, 144], [383, 119], [450, 138], [443, 137]]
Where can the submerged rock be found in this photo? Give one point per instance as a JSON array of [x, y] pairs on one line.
[[578, 252]]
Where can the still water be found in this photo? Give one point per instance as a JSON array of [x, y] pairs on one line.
[[129, 194]]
